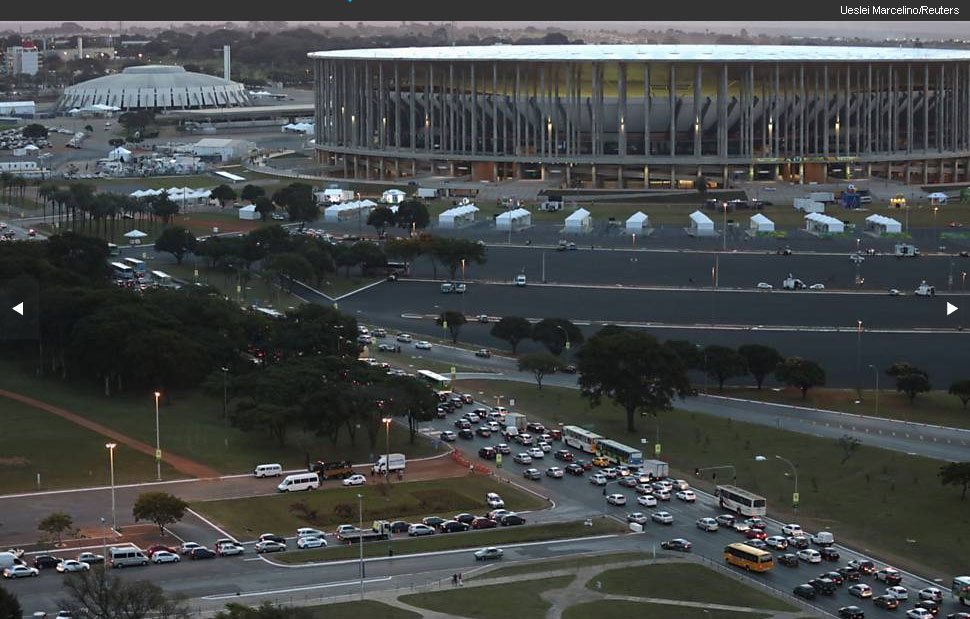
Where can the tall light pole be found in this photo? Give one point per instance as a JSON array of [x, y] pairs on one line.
[[111, 459], [795, 497], [876, 372], [158, 441], [360, 541], [565, 335], [725, 206], [225, 395], [387, 460], [858, 359]]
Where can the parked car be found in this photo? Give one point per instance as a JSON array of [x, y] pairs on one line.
[[484, 523], [72, 565], [161, 556], [453, 526], [188, 547], [153, 549], [355, 480], [20, 571], [511, 520], [90, 558], [228, 549], [311, 542], [43, 562], [678, 543]]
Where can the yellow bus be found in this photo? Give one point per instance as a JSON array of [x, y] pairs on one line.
[[748, 557]]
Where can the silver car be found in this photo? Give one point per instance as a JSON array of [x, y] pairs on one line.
[[707, 524]]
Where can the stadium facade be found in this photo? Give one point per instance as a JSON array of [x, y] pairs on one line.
[[582, 113]]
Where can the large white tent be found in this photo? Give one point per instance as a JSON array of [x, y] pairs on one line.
[[393, 196], [883, 224], [760, 223], [579, 220], [818, 222], [701, 224], [937, 197], [120, 154], [637, 222], [348, 210], [458, 217], [516, 219], [135, 236], [248, 212]]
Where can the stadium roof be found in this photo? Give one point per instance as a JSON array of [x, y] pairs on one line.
[[155, 76], [668, 53]]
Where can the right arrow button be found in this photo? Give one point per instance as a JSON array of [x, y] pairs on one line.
[[950, 308]]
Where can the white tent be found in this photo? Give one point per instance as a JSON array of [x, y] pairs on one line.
[[637, 222], [298, 128], [135, 236], [817, 222], [248, 212], [579, 221], [701, 224], [760, 223], [458, 217], [393, 196], [937, 197], [348, 210], [120, 154], [883, 224], [516, 219]]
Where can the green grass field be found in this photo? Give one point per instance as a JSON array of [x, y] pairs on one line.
[[368, 609], [472, 540], [858, 501], [935, 407], [402, 501], [579, 561], [34, 442], [687, 582], [491, 602], [621, 609]]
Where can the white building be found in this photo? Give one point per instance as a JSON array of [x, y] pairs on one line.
[[578, 221], [760, 223], [701, 224], [26, 169], [884, 225], [516, 219], [458, 217], [249, 213], [25, 109], [823, 224], [393, 196], [346, 211], [333, 195], [22, 60], [222, 149], [637, 222], [807, 205]]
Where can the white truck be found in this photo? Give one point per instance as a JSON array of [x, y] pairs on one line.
[[397, 463], [514, 425], [823, 538], [808, 206], [792, 283], [655, 468], [9, 559], [903, 250], [925, 290]]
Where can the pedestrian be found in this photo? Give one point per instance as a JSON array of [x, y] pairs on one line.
[[460, 581], [454, 579]]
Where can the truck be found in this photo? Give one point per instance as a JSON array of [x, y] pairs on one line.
[[903, 250], [925, 290], [332, 470], [792, 283], [961, 589], [514, 425], [808, 206], [823, 538], [397, 463], [380, 530], [10, 559], [655, 468]]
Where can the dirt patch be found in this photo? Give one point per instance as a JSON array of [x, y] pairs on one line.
[[223, 224], [14, 461]]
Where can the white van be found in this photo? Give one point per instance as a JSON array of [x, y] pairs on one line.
[[123, 556], [268, 470], [301, 481]]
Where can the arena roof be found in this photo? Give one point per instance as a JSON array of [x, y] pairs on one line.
[[660, 53], [155, 76]]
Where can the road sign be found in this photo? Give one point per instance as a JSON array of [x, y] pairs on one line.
[[794, 498], [158, 454], [511, 401], [656, 450], [498, 460], [643, 441]]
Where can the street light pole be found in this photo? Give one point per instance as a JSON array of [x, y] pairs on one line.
[[158, 441], [387, 459], [858, 359], [360, 541], [876, 372], [725, 226], [795, 497], [225, 395], [111, 459]]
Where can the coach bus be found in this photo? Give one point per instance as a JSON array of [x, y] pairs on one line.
[[437, 382], [740, 501], [961, 589], [137, 265], [580, 438], [122, 271], [750, 558], [618, 453]]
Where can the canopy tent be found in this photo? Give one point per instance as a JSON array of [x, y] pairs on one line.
[[298, 128], [393, 196], [937, 197], [135, 236], [637, 222], [120, 154], [760, 223], [516, 219], [818, 222], [701, 224], [883, 224], [458, 217], [347, 210], [249, 212], [579, 221]]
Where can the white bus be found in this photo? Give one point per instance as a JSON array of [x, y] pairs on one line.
[[122, 271], [113, 250], [618, 453], [269, 312], [438, 382], [740, 501], [580, 438], [137, 265], [162, 279]]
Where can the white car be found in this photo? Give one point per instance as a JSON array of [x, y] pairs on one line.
[[311, 542], [71, 565], [791, 530], [900, 593], [344, 528], [494, 500], [90, 557], [687, 496], [423, 345], [535, 452], [616, 499], [778, 542], [707, 524], [188, 547], [523, 458], [20, 571], [809, 555], [662, 517], [741, 526], [860, 590], [555, 471], [418, 530], [817, 287], [919, 613], [228, 549], [355, 480], [520, 280], [647, 500], [308, 532], [404, 337], [764, 286], [544, 446], [598, 479], [931, 593], [894, 292], [162, 556], [637, 517], [663, 495]]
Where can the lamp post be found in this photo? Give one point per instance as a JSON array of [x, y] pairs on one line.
[[225, 395], [111, 459], [104, 542], [387, 460], [858, 359], [158, 441], [876, 372], [360, 541], [794, 471], [725, 226], [565, 335]]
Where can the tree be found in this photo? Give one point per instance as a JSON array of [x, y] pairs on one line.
[[556, 334], [761, 360], [56, 525], [289, 267], [299, 202], [722, 363], [849, 445], [453, 321], [412, 212], [961, 389], [34, 130], [688, 352], [9, 605], [956, 474], [177, 241], [632, 369], [223, 193], [251, 192], [700, 185], [456, 253], [264, 206], [136, 121], [99, 594], [159, 507], [801, 373], [512, 329], [380, 218], [540, 364], [163, 207], [909, 379]]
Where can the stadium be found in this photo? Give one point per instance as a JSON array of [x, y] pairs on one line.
[[581, 114], [156, 87]]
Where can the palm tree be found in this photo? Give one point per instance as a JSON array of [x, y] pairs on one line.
[[45, 192]]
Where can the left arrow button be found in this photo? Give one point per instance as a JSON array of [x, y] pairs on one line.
[[19, 308]]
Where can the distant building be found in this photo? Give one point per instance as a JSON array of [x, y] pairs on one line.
[[23, 109], [26, 169], [22, 60], [223, 149]]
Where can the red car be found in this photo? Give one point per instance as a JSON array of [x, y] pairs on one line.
[[159, 547], [756, 534], [586, 464], [483, 523], [555, 434]]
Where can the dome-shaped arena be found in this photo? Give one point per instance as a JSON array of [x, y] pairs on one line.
[[156, 87]]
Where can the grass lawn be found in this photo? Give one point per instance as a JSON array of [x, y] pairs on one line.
[[858, 501], [254, 291], [63, 454], [472, 540], [192, 425], [620, 609], [935, 407], [336, 286], [687, 582], [519, 599], [363, 608], [401, 502], [561, 564]]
